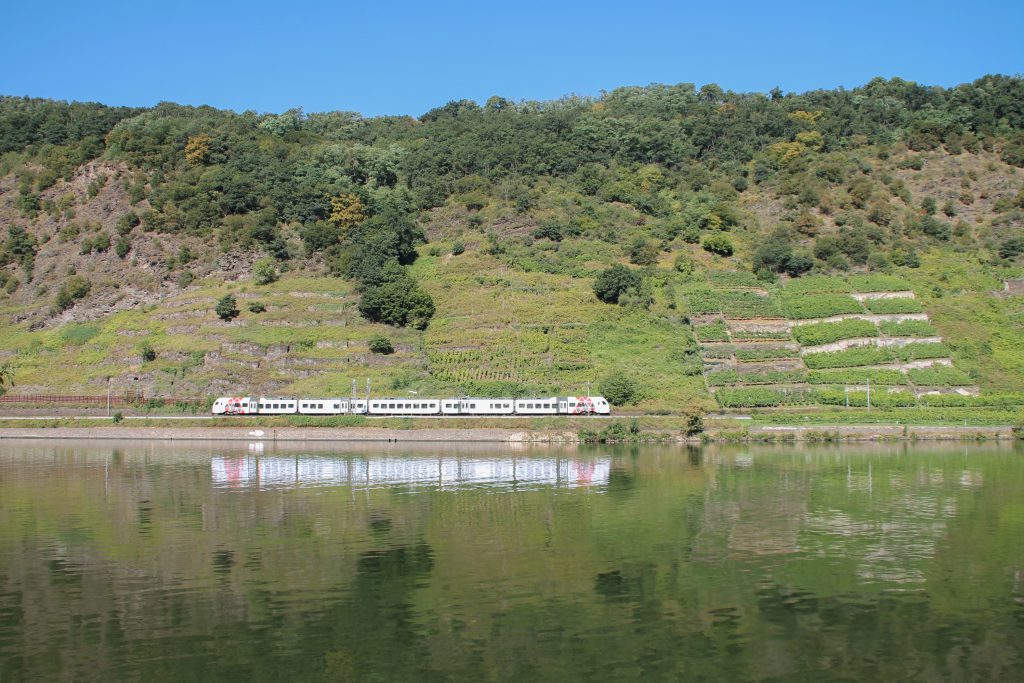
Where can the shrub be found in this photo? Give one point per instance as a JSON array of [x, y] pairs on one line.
[[146, 352], [826, 333], [643, 253], [257, 307], [619, 389], [380, 344], [912, 352], [613, 283], [734, 304], [458, 247], [73, 290], [123, 246], [264, 272], [726, 377], [718, 244], [227, 308], [758, 335], [118, 417]]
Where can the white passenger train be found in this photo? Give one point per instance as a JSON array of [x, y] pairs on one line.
[[553, 405]]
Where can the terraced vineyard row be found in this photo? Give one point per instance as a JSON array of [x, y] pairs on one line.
[[820, 341]]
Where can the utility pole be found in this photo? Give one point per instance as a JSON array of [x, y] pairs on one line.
[[869, 394], [108, 396]]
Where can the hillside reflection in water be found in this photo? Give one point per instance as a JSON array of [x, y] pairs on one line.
[[384, 563]]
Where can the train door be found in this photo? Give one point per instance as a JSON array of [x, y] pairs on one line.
[[563, 406]]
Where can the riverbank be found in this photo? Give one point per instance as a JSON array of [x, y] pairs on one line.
[[753, 433]]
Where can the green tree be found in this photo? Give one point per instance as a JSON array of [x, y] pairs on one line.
[[643, 253], [613, 283], [400, 303], [264, 272], [619, 389], [227, 308]]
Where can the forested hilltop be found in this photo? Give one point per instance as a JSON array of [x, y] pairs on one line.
[[660, 241]]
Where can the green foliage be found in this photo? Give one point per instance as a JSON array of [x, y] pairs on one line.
[[458, 247], [399, 302], [857, 377], [117, 417], [615, 282], [907, 328], [761, 335], [826, 333], [619, 389], [939, 375], [264, 272], [878, 282], [853, 357], [123, 246], [733, 304], [750, 355], [227, 308], [643, 253], [727, 377], [818, 305], [712, 333], [750, 398], [74, 289], [380, 344], [816, 284], [146, 352], [257, 307], [899, 305], [718, 244]]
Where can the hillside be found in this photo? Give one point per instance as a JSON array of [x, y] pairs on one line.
[[473, 238]]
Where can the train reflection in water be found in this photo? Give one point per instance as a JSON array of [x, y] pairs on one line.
[[444, 472]]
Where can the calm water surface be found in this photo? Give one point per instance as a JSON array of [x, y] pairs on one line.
[[179, 562]]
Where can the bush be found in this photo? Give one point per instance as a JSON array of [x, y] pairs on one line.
[[146, 352], [73, 290], [643, 253], [458, 247], [619, 389], [264, 272], [826, 333], [765, 354], [257, 307], [718, 244], [118, 417], [613, 283], [380, 344], [227, 308], [123, 246]]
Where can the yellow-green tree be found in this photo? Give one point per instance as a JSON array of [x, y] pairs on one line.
[[346, 211]]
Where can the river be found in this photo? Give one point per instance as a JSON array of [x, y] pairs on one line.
[[158, 561]]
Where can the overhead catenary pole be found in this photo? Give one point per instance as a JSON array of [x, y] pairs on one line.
[[869, 394]]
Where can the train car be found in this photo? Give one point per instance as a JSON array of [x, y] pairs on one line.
[[323, 406], [277, 406], [537, 406], [236, 405], [478, 406], [405, 406], [583, 405]]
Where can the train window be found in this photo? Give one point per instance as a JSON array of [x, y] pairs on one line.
[[391, 405], [337, 405]]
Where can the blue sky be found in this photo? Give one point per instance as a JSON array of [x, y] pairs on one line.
[[407, 57]]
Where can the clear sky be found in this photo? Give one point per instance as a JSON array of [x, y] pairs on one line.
[[407, 57]]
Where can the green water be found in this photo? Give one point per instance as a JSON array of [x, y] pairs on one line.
[[154, 562]]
